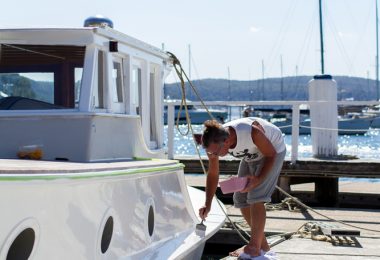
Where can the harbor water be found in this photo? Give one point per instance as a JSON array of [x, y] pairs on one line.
[[365, 146]]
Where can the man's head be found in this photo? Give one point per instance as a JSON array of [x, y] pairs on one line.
[[214, 138]]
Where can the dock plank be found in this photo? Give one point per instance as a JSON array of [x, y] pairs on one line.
[[299, 249], [365, 248], [309, 167], [283, 221]]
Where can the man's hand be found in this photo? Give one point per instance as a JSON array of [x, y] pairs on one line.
[[253, 182], [203, 212]]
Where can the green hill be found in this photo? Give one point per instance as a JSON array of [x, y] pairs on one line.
[[294, 88]]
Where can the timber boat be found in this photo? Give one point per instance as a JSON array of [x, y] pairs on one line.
[[83, 173]]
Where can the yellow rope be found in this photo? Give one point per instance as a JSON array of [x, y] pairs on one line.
[[180, 72]]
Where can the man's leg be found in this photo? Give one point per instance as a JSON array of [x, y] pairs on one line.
[[258, 217], [246, 212]]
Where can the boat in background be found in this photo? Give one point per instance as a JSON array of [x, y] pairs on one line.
[[83, 173], [373, 111], [346, 126], [350, 124], [197, 115]]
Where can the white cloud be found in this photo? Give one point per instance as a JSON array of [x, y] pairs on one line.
[[254, 29]]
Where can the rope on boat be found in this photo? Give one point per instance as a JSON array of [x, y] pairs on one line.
[[35, 52], [180, 72], [331, 129], [336, 129]]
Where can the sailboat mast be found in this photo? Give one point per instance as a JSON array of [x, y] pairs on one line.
[[321, 37], [282, 79], [377, 54], [189, 47]]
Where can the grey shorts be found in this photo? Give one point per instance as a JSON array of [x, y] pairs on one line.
[[263, 192]]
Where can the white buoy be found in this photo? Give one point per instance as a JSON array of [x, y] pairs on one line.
[[324, 116]]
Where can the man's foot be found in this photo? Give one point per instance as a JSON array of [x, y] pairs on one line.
[[237, 252], [251, 250], [240, 250]]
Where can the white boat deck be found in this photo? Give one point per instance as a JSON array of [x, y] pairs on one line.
[[18, 166]]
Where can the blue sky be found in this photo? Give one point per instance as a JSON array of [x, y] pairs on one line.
[[239, 35]]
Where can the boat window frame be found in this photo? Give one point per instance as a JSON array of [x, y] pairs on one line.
[[100, 92], [155, 112], [116, 106], [136, 99], [63, 73]]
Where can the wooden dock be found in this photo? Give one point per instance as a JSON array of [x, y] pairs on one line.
[[282, 220], [310, 167], [308, 180], [323, 173]]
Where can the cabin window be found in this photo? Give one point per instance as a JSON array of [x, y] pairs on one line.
[[118, 86], [40, 76], [78, 72], [32, 85], [136, 89]]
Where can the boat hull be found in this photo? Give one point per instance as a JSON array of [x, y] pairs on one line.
[[376, 122], [69, 212]]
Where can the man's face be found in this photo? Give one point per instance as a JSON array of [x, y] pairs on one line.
[[217, 149]]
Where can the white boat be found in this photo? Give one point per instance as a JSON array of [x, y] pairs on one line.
[[197, 115], [352, 124], [375, 113], [346, 126], [93, 182]]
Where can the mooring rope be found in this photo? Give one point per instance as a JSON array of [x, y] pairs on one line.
[[331, 129], [296, 200], [180, 72], [338, 129]]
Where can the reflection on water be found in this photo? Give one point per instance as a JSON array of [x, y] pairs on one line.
[[363, 146]]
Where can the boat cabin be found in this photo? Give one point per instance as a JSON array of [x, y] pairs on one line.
[[80, 94]]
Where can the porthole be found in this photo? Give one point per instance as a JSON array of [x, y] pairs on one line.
[[151, 220], [22, 246], [22, 241], [107, 235]]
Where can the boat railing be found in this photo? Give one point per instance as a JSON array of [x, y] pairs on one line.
[[295, 107]]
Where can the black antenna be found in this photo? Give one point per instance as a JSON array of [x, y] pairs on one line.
[[321, 37], [377, 54]]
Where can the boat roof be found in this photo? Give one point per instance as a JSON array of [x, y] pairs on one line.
[[73, 36]]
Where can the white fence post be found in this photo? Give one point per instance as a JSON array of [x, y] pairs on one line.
[[170, 121], [323, 116], [295, 132]]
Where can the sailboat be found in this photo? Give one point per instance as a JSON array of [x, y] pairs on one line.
[[350, 124]]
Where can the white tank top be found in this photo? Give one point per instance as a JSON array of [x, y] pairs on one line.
[[245, 148]]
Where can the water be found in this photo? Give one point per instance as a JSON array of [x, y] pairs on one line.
[[362, 146]]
